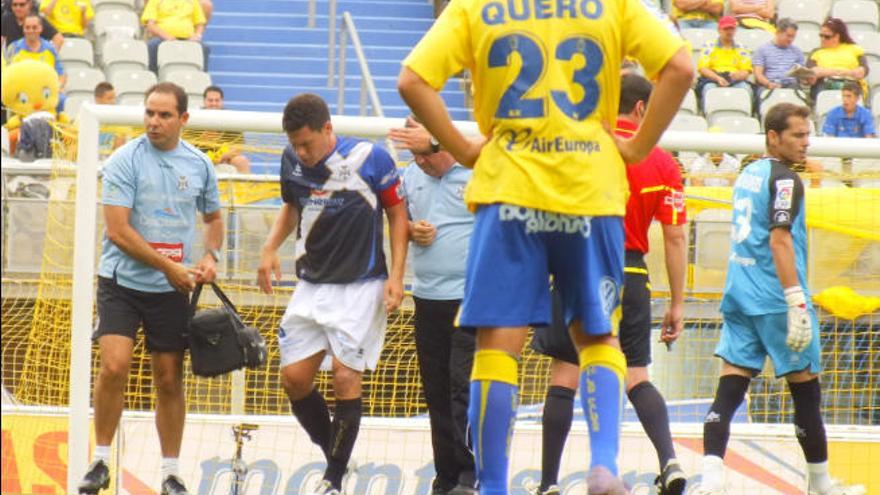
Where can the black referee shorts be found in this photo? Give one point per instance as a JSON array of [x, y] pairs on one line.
[[163, 315], [635, 323]]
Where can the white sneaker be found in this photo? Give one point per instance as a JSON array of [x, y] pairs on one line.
[[324, 488], [838, 488]]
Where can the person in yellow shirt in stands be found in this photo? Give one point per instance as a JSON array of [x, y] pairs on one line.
[[168, 20], [837, 60], [548, 190], [697, 14], [69, 17], [723, 62]]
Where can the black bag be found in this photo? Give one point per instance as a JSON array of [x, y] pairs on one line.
[[219, 342]]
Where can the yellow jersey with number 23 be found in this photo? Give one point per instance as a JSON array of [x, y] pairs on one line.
[[546, 79]]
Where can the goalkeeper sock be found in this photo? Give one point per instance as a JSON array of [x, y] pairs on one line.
[[102, 453], [809, 428], [169, 467], [346, 424], [312, 413], [712, 473], [651, 409], [491, 414], [556, 423], [603, 368], [716, 426], [820, 480]]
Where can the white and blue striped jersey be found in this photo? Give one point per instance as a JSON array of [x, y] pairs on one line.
[[767, 195], [340, 202]]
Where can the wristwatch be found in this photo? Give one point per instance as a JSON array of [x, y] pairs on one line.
[[435, 145], [214, 254]]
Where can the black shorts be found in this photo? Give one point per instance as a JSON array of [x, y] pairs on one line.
[[635, 323], [164, 315]]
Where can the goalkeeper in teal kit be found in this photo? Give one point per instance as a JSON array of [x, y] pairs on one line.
[[766, 306]]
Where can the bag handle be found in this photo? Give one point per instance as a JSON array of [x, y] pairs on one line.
[[194, 299]]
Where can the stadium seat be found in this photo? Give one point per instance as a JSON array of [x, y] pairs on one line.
[[873, 79], [825, 101], [859, 15], [875, 109], [807, 41], [687, 122], [108, 5], [870, 42], [738, 125], [808, 14], [83, 82], [116, 24], [689, 105], [77, 53], [781, 95], [125, 56], [752, 38], [131, 86], [72, 104], [711, 248], [720, 102], [196, 101], [193, 82], [180, 56], [698, 38]]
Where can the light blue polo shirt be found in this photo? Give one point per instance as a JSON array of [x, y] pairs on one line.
[[163, 189], [439, 268]]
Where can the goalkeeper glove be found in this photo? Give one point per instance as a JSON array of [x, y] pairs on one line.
[[800, 327]]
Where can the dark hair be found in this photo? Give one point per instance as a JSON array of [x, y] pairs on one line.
[[170, 88], [777, 118], [838, 27], [102, 88], [853, 87], [213, 88], [633, 89], [34, 15], [785, 24], [306, 109]]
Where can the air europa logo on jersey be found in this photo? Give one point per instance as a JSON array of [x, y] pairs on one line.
[[522, 140], [500, 12], [537, 221]]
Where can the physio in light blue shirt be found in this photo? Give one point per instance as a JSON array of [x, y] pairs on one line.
[[163, 189], [441, 225]]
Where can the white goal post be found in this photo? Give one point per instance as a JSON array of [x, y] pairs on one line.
[[92, 116]]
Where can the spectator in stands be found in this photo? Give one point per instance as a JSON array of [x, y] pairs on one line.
[[105, 94], [227, 145], [773, 60], [838, 59], [695, 14], [168, 20], [12, 22], [850, 119], [33, 47], [723, 62], [754, 14], [69, 17]]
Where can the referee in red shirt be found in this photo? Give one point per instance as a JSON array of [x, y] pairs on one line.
[[656, 193]]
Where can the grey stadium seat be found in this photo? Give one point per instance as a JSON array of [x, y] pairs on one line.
[[807, 41], [875, 109], [72, 104], [83, 82], [808, 14], [131, 86], [873, 78], [738, 125], [753, 38], [180, 55], [720, 102], [193, 82], [684, 122], [825, 101], [689, 105], [115, 24], [870, 41], [859, 15], [108, 5], [125, 55], [77, 53], [780, 95]]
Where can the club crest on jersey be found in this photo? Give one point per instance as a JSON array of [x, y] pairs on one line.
[[782, 217], [608, 295], [784, 193], [343, 173], [182, 183], [675, 199]]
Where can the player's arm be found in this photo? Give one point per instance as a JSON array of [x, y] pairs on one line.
[[398, 227], [207, 266], [675, 253], [673, 83], [782, 247], [130, 241], [285, 223]]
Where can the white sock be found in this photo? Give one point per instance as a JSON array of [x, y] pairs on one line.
[[169, 467], [820, 480], [102, 453], [713, 472]]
